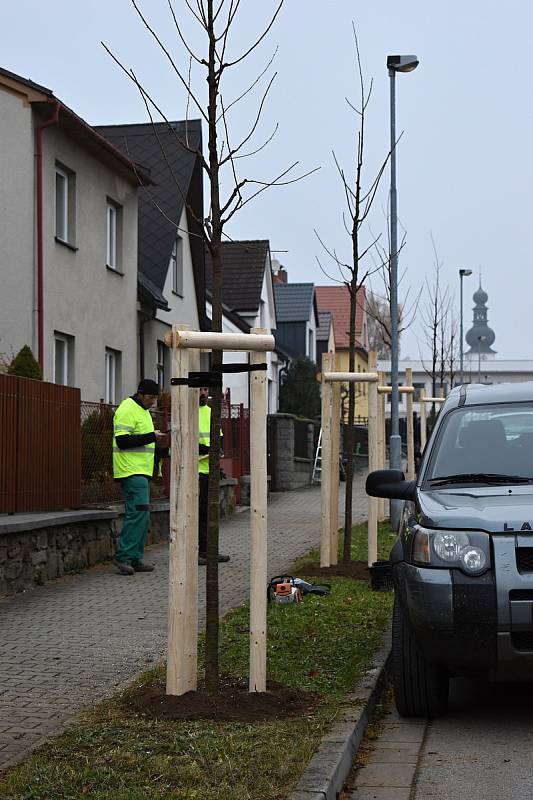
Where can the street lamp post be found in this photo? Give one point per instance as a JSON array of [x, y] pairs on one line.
[[395, 64], [462, 274]]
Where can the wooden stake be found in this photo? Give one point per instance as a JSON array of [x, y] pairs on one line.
[[373, 460], [410, 428], [207, 340], [325, 472], [382, 443], [335, 454], [190, 643], [179, 678], [258, 520], [423, 420]]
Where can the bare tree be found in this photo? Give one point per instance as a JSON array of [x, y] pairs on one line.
[[216, 21], [435, 316], [359, 201]]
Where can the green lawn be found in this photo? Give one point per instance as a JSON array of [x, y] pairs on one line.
[[321, 645]]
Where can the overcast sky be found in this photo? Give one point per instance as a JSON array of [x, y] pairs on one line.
[[465, 169]]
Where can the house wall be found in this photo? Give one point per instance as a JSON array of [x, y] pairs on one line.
[[183, 309], [310, 337], [17, 326], [82, 297], [292, 336], [265, 317]]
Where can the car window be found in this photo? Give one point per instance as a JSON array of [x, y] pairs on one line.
[[484, 439]]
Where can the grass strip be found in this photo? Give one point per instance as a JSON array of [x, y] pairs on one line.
[[322, 645]]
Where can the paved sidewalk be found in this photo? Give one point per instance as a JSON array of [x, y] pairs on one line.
[[73, 641]]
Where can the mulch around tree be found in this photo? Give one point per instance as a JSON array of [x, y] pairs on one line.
[[232, 703], [358, 570]]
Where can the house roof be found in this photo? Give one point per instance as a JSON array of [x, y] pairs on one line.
[[242, 274], [336, 299], [172, 168], [295, 302], [45, 102], [324, 323]]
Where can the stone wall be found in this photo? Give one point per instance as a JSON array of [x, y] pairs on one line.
[[35, 548], [287, 470]]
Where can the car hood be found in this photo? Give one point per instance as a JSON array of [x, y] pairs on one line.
[[491, 509]]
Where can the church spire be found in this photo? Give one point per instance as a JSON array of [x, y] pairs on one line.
[[480, 337]]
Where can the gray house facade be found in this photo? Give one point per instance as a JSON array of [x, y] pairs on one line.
[[297, 317], [171, 268], [68, 243]]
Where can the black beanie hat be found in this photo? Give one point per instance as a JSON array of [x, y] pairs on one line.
[[147, 386]]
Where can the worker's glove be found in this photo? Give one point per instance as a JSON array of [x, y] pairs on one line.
[[203, 449]]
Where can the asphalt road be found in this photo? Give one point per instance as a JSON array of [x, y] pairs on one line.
[[481, 750]]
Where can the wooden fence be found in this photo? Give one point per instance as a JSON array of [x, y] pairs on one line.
[[40, 445]]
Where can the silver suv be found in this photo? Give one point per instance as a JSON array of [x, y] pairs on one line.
[[462, 566]]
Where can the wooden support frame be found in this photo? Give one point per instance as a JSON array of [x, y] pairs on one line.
[[423, 400], [183, 546], [410, 428], [331, 381]]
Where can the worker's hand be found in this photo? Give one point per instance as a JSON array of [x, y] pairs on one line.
[[162, 439]]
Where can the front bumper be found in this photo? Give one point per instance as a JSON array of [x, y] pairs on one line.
[[454, 616]]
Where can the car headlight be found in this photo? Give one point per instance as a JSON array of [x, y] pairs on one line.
[[468, 551]]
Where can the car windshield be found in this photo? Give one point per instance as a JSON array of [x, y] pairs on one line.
[[483, 444]]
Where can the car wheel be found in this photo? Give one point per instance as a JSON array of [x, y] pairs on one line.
[[420, 688]]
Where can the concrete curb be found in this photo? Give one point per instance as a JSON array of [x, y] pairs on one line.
[[326, 773]]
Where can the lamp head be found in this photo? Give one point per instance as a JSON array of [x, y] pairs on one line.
[[465, 272], [402, 63]]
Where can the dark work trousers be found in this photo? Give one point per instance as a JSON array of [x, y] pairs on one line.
[[203, 481], [136, 494]]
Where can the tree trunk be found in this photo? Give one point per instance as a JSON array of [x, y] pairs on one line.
[[347, 544]]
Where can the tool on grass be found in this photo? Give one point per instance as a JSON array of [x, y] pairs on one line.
[[287, 589]]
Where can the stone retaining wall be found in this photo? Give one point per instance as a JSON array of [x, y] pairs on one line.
[[63, 543], [287, 470]]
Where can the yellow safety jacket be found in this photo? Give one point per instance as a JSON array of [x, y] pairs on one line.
[[204, 437], [132, 419]]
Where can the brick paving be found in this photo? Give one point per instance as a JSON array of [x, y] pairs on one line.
[[77, 640]]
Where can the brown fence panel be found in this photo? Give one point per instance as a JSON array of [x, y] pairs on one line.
[[49, 457], [8, 442], [40, 445]]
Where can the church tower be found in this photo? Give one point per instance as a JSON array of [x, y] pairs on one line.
[[480, 337]]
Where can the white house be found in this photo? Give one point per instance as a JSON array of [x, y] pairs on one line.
[[68, 243], [248, 297], [171, 280]]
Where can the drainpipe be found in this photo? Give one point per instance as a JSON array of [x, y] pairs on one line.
[[40, 260]]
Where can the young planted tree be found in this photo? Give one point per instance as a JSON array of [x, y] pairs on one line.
[[214, 53], [435, 315], [359, 199]]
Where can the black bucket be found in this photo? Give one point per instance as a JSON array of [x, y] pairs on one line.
[[381, 576]]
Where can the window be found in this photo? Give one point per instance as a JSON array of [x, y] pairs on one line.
[[400, 396], [65, 205], [112, 375], [176, 266], [113, 235], [161, 351], [310, 345], [63, 359], [418, 388]]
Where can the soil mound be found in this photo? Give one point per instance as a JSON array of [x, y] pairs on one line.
[[232, 703]]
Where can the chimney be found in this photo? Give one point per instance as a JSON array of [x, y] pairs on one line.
[[279, 274]]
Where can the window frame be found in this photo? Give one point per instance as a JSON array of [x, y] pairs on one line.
[[160, 365], [60, 337], [112, 377], [64, 175]]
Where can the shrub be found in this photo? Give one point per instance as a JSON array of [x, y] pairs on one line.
[[24, 365]]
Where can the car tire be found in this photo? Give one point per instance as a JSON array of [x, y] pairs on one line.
[[420, 688]]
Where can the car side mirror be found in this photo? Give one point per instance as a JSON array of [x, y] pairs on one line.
[[390, 483]]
